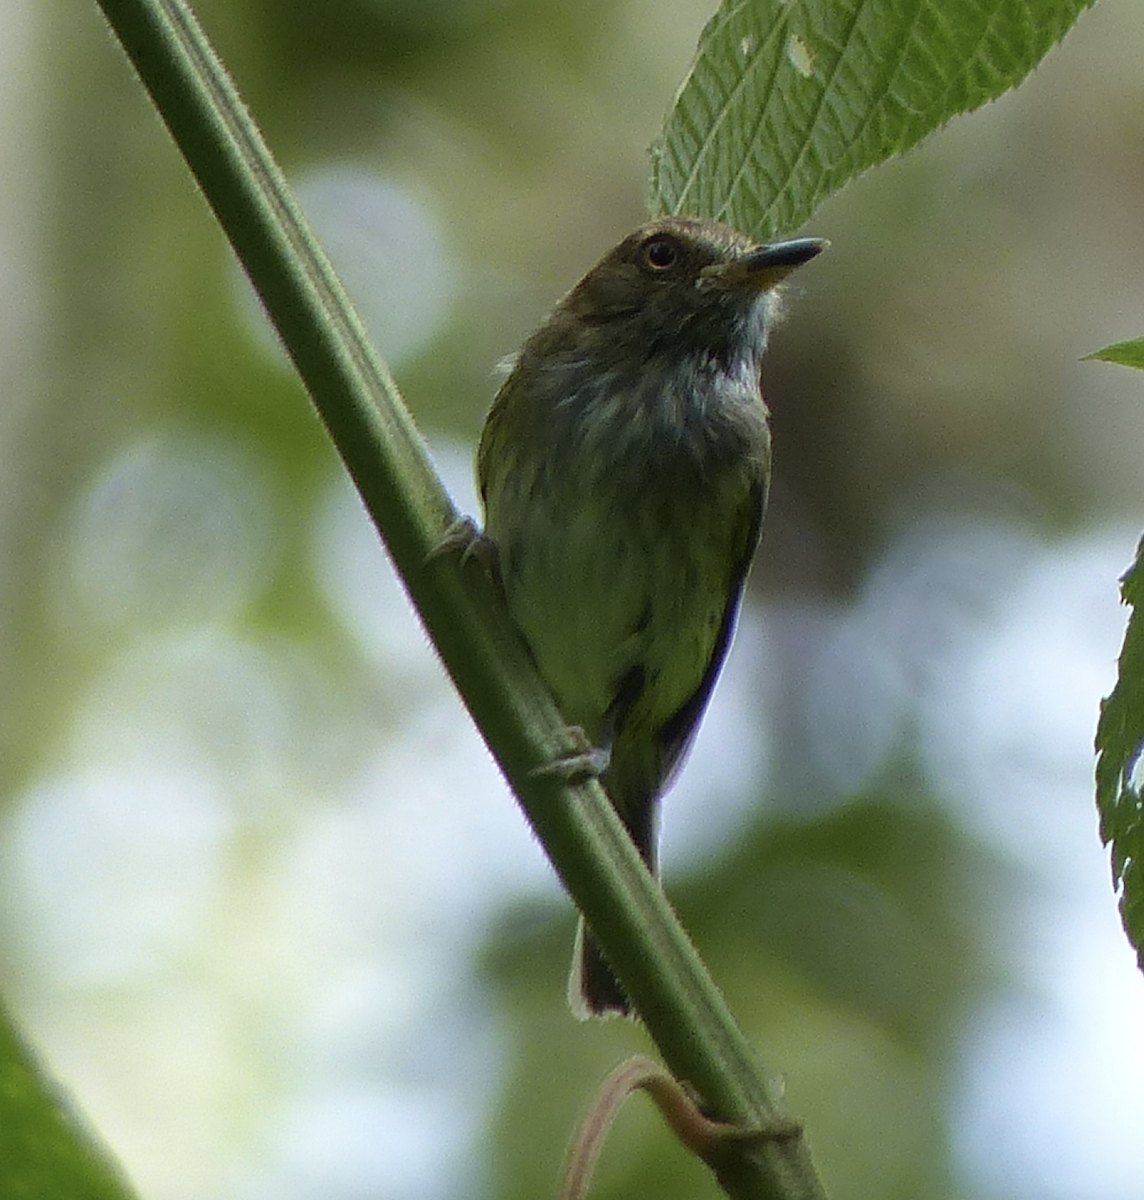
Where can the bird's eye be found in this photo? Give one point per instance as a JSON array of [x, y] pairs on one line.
[[661, 253]]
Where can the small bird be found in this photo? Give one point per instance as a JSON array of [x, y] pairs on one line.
[[623, 470]]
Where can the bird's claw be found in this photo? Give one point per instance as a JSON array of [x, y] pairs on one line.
[[583, 761], [463, 537]]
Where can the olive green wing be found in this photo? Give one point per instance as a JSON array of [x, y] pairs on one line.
[[678, 731]]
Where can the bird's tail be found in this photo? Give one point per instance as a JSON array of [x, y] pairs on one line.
[[593, 989]]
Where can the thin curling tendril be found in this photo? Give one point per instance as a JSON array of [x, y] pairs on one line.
[[707, 1139]]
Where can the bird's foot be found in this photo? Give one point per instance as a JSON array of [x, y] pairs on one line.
[[459, 538], [465, 538], [580, 762]]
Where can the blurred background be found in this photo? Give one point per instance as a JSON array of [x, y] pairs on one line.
[[266, 906]]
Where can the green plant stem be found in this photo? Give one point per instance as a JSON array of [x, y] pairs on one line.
[[359, 404]]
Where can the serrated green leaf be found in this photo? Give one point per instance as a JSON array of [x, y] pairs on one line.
[[1126, 354], [1119, 744], [787, 100]]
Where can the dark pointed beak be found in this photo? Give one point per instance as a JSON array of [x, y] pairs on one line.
[[769, 265]]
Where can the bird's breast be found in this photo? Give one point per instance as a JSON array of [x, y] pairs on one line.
[[682, 419]]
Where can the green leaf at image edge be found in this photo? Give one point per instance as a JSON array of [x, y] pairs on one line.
[[785, 103], [1125, 354], [1119, 741], [45, 1151]]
